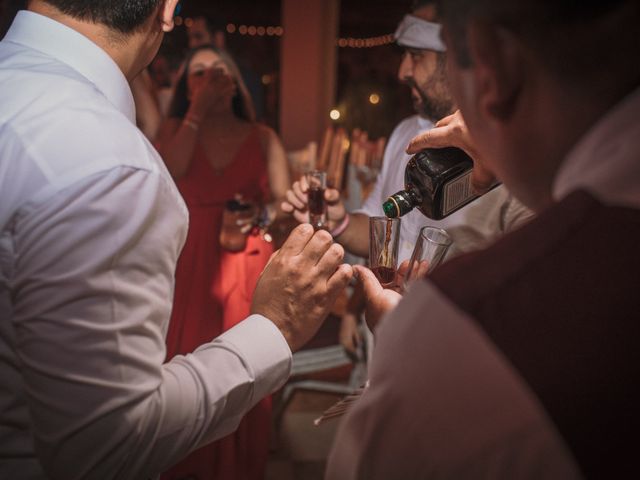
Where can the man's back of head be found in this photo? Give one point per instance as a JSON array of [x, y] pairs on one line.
[[533, 76], [581, 42], [130, 32], [122, 16]]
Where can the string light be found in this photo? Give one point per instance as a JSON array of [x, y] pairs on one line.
[[334, 114], [253, 30], [374, 99], [278, 31]]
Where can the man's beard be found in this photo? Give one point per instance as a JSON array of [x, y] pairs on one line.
[[438, 103]]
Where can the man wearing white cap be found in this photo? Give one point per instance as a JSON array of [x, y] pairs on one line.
[[423, 69], [472, 227]]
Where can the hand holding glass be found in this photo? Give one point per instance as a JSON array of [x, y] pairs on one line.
[[384, 238], [317, 182]]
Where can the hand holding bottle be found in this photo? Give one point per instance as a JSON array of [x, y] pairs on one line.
[[452, 131]]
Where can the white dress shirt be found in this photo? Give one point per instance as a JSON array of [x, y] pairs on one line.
[[472, 227], [91, 226], [443, 401]]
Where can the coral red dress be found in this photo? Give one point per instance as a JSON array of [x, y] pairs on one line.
[[213, 293]]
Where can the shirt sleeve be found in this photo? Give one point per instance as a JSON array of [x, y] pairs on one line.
[[444, 403], [485, 220], [92, 290]]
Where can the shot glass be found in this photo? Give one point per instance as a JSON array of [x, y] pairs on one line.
[[431, 246], [384, 238], [317, 181]]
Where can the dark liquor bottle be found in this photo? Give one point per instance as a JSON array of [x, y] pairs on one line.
[[437, 182]]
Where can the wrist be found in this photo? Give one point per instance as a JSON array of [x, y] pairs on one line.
[[192, 121], [339, 230]]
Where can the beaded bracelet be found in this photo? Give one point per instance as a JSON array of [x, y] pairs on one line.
[[339, 230], [191, 124]]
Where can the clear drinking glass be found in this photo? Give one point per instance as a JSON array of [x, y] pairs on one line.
[[384, 238], [317, 181], [431, 247]]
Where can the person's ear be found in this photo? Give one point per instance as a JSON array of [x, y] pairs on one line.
[[498, 64], [167, 13]]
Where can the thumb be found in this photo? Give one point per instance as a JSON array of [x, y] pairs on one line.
[[437, 137], [370, 285], [445, 120], [331, 195]]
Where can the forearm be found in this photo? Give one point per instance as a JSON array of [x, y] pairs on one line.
[[178, 149], [355, 238], [148, 115]]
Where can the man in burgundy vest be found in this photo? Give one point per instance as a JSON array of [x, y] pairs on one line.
[[521, 361]]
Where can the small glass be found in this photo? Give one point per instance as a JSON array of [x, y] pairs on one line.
[[431, 246], [317, 182], [384, 238], [237, 212]]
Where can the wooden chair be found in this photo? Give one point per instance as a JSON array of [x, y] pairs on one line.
[[337, 159], [366, 158]]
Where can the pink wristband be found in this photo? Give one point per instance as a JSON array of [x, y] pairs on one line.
[[339, 230]]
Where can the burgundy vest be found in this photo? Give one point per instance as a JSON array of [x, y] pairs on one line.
[[560, 298]]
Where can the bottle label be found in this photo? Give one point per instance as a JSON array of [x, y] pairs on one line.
[[456, 193]]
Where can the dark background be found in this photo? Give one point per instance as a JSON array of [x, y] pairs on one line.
[[360, 71]]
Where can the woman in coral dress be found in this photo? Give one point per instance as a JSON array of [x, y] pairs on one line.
[[217, 153]]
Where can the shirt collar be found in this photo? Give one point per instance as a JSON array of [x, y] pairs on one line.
[[605, 161], [74, 49], [424, 123]]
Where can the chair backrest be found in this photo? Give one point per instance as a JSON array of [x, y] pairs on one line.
[[365, 157], [325, 149], [337, 158]]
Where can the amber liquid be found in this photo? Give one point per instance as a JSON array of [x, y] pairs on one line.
[[387, 238], [316, 201], [386, 275]]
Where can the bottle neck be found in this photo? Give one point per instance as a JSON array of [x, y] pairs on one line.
[[399, 204]]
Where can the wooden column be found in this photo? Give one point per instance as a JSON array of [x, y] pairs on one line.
[[307, 69]]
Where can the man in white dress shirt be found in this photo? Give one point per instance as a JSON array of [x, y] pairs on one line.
[[91, 226], [520, 361]]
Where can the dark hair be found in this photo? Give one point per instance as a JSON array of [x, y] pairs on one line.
[[242, 104], [578, 40], [416, 4], [124, 16]]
